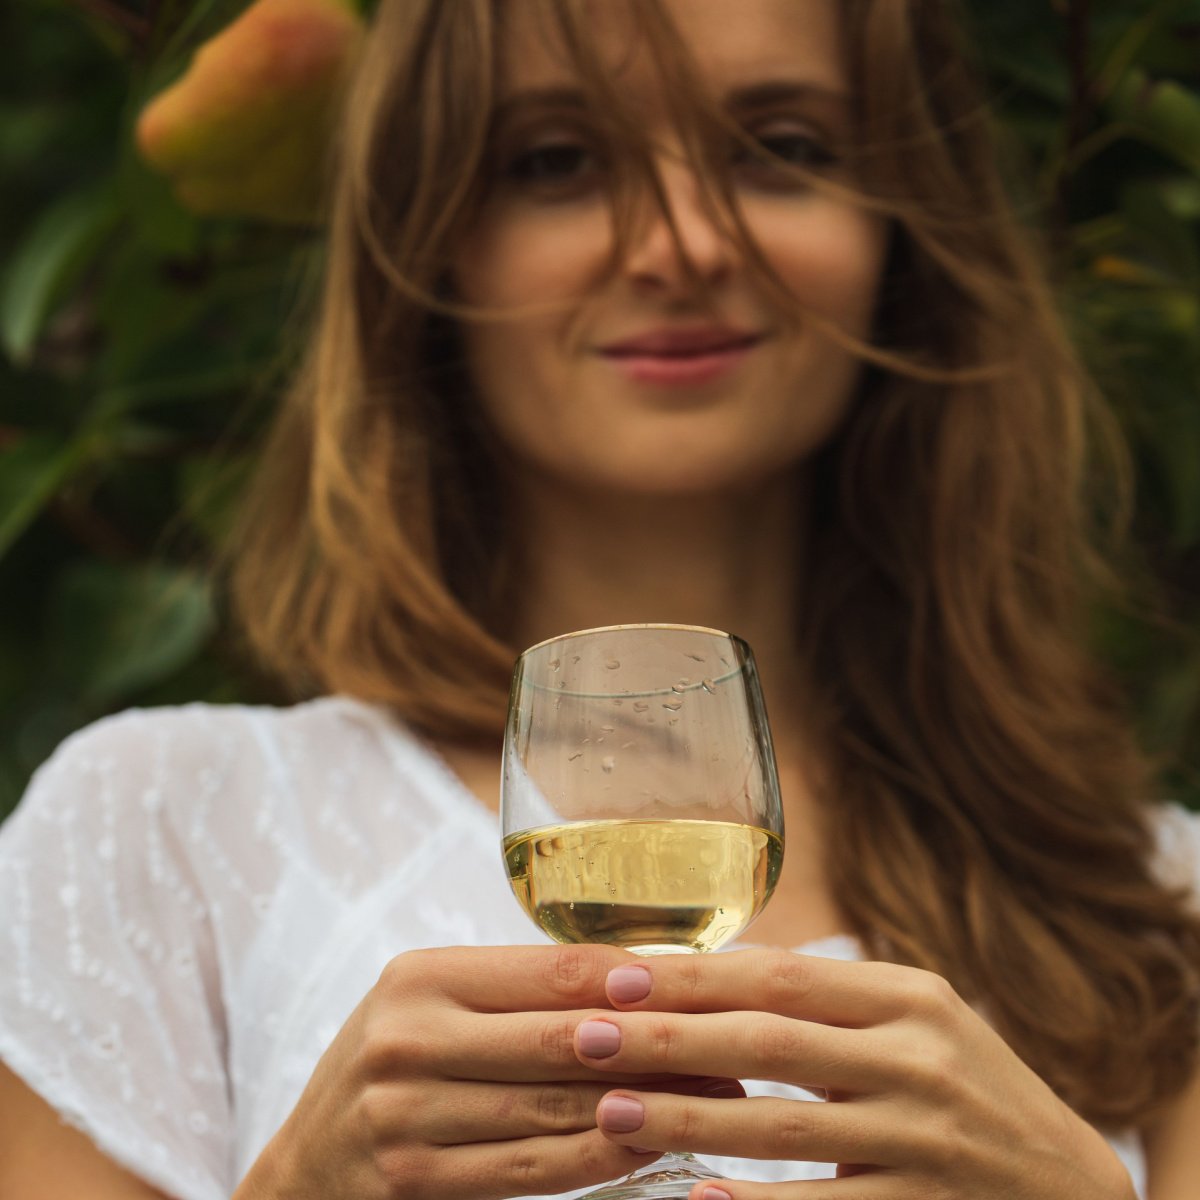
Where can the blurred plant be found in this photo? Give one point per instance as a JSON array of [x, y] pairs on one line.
[[142, 343], [1102, 103]]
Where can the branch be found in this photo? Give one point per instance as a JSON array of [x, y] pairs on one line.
[[1079, 115]]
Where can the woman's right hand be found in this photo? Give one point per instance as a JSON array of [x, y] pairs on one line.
[[457, 1078]]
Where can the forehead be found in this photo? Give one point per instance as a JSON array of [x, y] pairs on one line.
[[733, 42]]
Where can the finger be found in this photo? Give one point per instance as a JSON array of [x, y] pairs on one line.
[[535, 1166], [851, 994], [760, 1127], [741, 1045], [505, 978], [498, 1048], [512, 1048], [878, 1185], [486, 1112]]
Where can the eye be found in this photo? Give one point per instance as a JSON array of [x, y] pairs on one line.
[[799, 149], [553, 164], [784, 147]]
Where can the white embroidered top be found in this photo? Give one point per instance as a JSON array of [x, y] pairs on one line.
[[193, 900]]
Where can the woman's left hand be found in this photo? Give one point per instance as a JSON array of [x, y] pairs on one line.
[[925, 1099]]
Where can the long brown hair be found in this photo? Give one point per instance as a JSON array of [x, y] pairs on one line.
[[987, 816]]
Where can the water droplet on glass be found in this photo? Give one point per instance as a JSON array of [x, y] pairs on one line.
[[555, 663], [573, 757], [673, 721], [696, 657], [606, 729], [628, 745], [612, 664], [574, 658], [607, 764], [673, 705], [640, 706], [678, 688], [708, 686]]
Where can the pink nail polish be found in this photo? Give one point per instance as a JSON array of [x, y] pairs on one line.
[[620, 1114], [599, 1039], [628, 984]]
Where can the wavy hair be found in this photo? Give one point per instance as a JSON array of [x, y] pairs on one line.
[[987, 815]]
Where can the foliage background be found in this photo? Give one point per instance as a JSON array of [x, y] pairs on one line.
[[140, 348]]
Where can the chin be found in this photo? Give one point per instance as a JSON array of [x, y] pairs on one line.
[[673, 474]]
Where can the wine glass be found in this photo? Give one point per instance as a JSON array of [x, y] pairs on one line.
[[640, 803]]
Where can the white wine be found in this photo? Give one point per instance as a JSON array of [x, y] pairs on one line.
[[648, 886]]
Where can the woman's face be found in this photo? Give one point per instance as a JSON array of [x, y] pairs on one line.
[[640, 382]]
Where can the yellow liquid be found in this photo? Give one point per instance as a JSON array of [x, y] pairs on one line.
[[649, 886]]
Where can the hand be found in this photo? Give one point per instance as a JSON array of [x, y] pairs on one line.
[[925, 1099], [456, 1077]]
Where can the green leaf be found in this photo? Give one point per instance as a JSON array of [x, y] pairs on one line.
[[1162, 112], [211, 490], [1152, 225], [1133, 38], [48, 262], [121, 629], [32, 470], [1177, 440]]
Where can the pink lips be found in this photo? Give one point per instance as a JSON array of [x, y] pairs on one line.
[[679, 357]]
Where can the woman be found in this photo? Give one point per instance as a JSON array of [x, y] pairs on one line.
[[707, 311]]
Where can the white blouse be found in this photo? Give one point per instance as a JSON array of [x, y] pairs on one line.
[[194, 899]]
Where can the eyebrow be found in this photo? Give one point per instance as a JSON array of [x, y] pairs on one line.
[[775, 91], [748, 96]]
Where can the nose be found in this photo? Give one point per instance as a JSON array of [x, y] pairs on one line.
[[663, 262]]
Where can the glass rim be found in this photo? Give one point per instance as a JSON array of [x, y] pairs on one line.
[[666, 625], [742, 646]]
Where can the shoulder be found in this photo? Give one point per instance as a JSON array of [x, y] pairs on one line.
[[152, 743], [168, 764], [201, 728], [239, 797]]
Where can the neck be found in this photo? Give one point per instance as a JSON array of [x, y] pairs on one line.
[[728, 562]]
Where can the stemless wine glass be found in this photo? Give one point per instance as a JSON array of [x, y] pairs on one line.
[[640, 803]]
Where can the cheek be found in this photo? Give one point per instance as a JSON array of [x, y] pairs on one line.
[[831, 260], [527, 257]]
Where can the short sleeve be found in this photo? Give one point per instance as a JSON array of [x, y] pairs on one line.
[[1178, 851], [110, 998]]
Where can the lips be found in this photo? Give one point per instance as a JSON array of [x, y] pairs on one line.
[[682, 343], [681, 357]]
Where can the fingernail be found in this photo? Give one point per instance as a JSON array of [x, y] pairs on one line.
[[723, 1091], [620, 1114], [599, 1039], [627, 984], [640, 1150], [712, 1193]]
